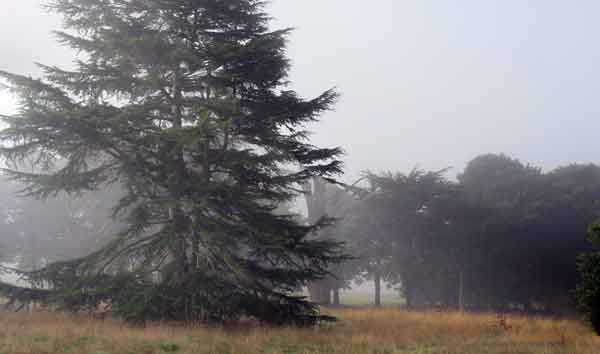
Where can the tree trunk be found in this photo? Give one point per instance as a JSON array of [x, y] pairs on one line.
[[314, 193], [336, 296], [320, 293], [178, 217], [461, 291], [181, 257], [377, 281], [408, 293]]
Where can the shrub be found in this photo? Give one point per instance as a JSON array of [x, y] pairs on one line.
[[588, 291]]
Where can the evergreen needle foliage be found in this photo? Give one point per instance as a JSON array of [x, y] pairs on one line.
[[182, 103]]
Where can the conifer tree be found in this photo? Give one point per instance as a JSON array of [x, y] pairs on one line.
[[183, 104]]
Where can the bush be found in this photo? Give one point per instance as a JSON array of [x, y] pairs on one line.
[[588, 291]]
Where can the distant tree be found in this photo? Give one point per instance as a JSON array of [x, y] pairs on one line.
[[36, 233], [507, 189], [183, 104], [324, 199], [457, 246], [365, 241], [392, 229], [504, 237], [534, 228]]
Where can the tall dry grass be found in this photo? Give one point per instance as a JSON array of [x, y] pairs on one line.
[[358, 331]]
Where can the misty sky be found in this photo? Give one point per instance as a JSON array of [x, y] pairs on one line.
[[424, 82]]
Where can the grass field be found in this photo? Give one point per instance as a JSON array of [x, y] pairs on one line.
[[358, 331], [363, 298]]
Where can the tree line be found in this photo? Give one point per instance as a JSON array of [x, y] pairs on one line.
[[503, 235]]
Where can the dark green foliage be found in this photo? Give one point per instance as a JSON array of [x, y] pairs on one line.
[[505, 236], [588, 290], [401, 227], [203, 298], [183, 105]]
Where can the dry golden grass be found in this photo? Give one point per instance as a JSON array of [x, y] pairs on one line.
[[358, 331]]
